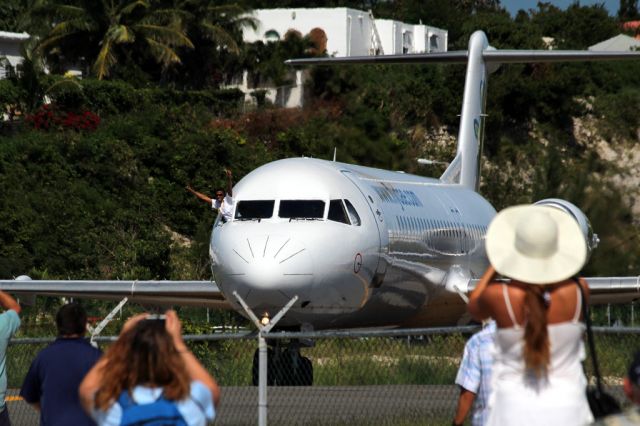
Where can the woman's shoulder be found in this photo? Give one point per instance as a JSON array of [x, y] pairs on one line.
[[496, 289]]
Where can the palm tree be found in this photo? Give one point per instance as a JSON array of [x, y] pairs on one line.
[[216, 32], [104, 32]]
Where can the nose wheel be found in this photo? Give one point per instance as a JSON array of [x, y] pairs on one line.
[[285, 367]]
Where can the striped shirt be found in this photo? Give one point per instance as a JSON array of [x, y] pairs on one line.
[[474, 373]]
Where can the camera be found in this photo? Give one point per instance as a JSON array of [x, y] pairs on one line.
[[156, 317]]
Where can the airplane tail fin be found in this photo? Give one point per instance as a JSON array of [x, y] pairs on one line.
[[481, 60]]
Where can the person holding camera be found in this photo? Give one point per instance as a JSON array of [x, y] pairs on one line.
[[150, 373], [537, 374]]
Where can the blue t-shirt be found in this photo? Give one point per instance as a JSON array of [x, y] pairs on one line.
[[9, 324], [196, 409], [53, 380]]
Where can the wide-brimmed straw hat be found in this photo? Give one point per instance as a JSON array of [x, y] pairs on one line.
[[536, 244]]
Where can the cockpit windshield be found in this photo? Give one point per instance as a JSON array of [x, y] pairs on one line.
[[254, 209], [338, 213], [301, 209]]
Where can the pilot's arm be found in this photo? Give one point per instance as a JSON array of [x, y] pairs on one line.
[[200, 195], [229, 182]]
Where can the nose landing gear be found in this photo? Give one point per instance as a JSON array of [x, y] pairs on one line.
[[285, 366]]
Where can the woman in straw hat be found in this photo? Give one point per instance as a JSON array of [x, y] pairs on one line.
[[537, 377]]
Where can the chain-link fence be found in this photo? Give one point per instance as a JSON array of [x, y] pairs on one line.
[[399, 377]]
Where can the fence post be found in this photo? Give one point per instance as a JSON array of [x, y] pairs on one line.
[[264, 326]]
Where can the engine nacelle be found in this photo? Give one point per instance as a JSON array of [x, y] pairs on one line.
[[590, 238]]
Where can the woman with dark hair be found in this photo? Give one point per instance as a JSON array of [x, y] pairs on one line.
[[537, 374], [149, 373]]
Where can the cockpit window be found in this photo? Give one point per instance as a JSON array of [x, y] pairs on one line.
[[301, 209], [337, 212], [353, 213], [254, 209]]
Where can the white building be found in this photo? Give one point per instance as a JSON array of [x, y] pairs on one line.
[[399, 38], [619, 43], [10, 49], [350, 32]]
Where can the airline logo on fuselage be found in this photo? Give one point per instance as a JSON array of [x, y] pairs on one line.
[[403, 197]]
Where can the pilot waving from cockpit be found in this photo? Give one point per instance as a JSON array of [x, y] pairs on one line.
[[223, 202]]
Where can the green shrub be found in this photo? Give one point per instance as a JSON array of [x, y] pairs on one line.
[[9, 93]]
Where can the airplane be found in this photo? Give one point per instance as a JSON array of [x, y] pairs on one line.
[[359, 247]]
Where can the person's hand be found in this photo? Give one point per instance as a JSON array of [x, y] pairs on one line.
[[189, 188], [131, 322], [174, 328], [227, 172]]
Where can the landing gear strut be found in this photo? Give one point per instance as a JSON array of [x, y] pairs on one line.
[[286, 366]]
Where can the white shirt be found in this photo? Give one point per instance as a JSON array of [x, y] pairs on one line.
[[225, 207]]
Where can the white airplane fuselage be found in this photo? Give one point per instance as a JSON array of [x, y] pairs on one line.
[[359, 246]]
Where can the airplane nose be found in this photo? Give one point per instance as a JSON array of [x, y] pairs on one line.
[[268, 270]]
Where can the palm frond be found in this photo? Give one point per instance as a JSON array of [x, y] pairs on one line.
[[49, 42], [70, 27], [67, 10], [129, 8], [164, 35], [233, 14], [163, 53], [104, 61], [228, 10], [120, 34], [168, 15], [219, 35]]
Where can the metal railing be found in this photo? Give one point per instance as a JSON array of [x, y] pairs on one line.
[[394, 377]]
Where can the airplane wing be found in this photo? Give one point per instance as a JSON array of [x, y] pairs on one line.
[[191, 293], [207, 294], [491, 55], [605, 289], [613, 289]]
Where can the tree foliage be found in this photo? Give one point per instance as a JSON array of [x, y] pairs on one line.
[[111, 202], [104, 34]]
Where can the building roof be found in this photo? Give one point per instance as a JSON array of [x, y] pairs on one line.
[[619, 43], [6, 35]]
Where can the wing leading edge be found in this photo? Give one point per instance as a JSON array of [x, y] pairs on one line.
[[613, 289], [491, 55], [188, 293], [605, 289]]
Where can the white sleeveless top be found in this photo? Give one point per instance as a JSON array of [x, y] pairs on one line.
[[519, 397]]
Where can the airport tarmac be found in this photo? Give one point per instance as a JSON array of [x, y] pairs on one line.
[[341, 404], [314, 405], [321, 405]]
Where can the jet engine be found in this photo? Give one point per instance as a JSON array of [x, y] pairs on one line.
[[591, 239]]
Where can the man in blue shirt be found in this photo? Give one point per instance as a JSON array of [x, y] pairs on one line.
[[51, 385], [474, 376], [9, 324]]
